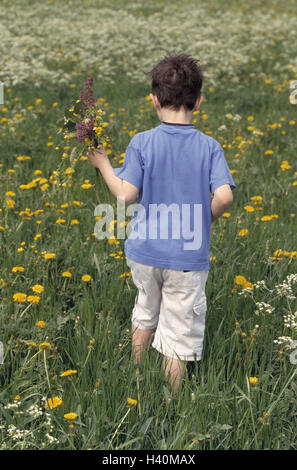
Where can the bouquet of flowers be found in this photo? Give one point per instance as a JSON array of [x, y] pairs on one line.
[[83, 120]]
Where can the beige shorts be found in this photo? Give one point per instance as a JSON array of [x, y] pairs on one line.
[[174, 303]]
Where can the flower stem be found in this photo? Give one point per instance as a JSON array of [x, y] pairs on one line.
[[46, 372], [138, 393], [25, 309], [120, 424]]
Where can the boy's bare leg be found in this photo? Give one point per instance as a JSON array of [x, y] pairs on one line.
[[140, 341], [174, 371]]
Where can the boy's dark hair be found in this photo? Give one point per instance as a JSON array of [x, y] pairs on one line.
[[177, 81]]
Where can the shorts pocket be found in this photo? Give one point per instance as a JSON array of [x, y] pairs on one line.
[[141, 293], [199, 317], [200, 305]]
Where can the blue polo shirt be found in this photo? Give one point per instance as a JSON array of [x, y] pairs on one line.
[[175, 167]]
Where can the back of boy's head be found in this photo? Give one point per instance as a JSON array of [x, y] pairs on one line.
[[177, 81]]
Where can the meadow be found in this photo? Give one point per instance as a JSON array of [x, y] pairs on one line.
[[66, 376]]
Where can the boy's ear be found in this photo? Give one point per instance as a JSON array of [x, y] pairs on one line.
[[155, 101], [198, 102]]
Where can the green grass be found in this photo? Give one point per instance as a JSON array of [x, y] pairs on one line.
[[88, 324]]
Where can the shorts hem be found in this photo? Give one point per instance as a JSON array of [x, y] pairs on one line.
[[182, 357], [141, 327]]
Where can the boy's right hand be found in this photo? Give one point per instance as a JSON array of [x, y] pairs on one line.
[[95, 156]]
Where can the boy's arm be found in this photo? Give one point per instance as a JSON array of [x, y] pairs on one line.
[[222, 199], [118, 186], [220, 182]]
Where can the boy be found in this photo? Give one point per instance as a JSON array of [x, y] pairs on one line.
[[172, 168]]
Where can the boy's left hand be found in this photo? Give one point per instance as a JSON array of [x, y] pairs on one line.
[[94, 156]]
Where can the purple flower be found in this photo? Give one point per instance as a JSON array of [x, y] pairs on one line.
[[86, 96], [84, 129]]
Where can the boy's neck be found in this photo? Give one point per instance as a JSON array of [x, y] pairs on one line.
[[175, 117]]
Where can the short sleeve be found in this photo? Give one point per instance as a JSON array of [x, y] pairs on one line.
[[132, 171], [219, 171]]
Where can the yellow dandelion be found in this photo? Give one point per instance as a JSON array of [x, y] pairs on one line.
[[19, 297], [86, 278], [37, 288], [40, 323], [10, 203], [253, 380], [240, 280], [86, 186], [68, 372], [18, 269], [53, 402], [256, 199], [69, 171], [31, 344], [277, 252], [34, 299], [285, 165], [243, 232], [49, 255], [111, 225], [125, 275], [247, 285], [70, 416], [44, 346], [249, 208], [17, 398], [113, 241], [66, 274], [132, 401]]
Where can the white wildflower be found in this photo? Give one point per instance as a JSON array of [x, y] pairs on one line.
[[237, 117], [290, 320], [284, 341], [263, 307], [259, 284]]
